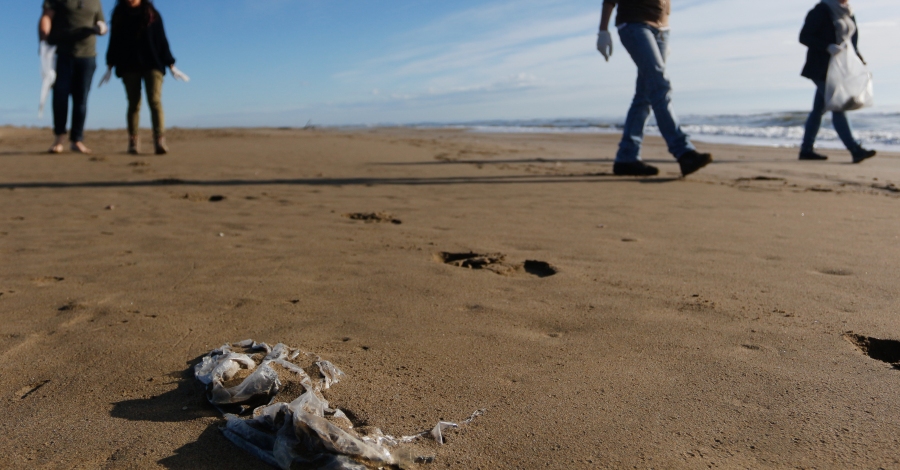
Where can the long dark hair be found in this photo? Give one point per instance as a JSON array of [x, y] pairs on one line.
[[149, 11]]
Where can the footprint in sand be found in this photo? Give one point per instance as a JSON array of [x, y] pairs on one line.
[[884, 350], [197, 197], [71, 307], [835, 272], [373, 217], [496, 262], [47, 280]]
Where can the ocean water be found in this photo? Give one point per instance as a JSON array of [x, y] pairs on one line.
[[880, 131]]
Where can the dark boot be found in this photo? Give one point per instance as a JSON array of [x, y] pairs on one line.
[[863, 154], [693, 161], [161, 147], [134, 145]]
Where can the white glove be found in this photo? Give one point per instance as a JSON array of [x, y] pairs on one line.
[[179, 75], [605, 44], [106, 77], [835, 49], [100, 28]]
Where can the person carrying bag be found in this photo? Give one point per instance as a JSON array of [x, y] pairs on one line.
[[831, 34]]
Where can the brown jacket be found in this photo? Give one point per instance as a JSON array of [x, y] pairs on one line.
[[652, 12]]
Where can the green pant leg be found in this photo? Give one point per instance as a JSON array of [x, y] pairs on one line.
[[132, 83], [154, 82]]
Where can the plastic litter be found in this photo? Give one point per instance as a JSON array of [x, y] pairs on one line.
[[48, 73], [246, 378], [848, 86], [106, 77], [179, 75]]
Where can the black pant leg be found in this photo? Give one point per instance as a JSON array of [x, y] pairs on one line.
[[61, 91], [83, 77]]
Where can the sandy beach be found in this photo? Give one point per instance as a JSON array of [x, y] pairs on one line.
[[616, 322]]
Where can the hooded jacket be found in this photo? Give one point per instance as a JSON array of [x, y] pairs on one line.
[[134, 46], [818, 33]]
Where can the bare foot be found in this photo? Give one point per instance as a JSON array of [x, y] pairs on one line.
[[58, 146], [80, 148]]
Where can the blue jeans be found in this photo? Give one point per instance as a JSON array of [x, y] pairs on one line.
[[814, 122], [648, 47], [73, 78]]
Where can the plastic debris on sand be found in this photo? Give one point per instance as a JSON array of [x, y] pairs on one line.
[[246, 378]]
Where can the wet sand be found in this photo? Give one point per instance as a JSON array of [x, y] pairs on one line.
[[661, 323]]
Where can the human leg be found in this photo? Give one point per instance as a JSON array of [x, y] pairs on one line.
[[648, 48], [638, 113], [82, 77], [61, 91], [813, 124], [842, 126], [132, 84], [154, 82]]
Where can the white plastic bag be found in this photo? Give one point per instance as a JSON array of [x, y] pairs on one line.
[[48, 73], [849, 83]]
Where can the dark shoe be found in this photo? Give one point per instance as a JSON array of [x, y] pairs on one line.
[[161, 147], [812, 156], [863, 154], [134, 145], [634, 169], [693, 161]]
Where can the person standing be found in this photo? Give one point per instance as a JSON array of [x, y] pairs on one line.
[[644, 30], [830, 27], [139, 51], [72, 26]]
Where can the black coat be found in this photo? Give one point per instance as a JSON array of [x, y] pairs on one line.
[[818, 33], [135, 47]]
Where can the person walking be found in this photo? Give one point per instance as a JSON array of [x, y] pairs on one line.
[[72, 26], [139, 52], [644, 31], [830, 27]]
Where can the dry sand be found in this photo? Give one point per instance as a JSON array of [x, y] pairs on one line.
[[692, 323]]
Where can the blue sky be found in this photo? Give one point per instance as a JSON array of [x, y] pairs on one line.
[[284, 62]]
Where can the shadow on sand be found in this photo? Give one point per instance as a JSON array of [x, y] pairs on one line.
[[211, 449], [338, 182]]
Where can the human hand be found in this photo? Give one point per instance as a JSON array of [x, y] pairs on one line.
[[835, 49], [179, 75], [605, 44], [106, 77], [100, 28]]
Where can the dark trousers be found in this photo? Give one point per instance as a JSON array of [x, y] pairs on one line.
[[838, 119], [73, 78], [153, 80]]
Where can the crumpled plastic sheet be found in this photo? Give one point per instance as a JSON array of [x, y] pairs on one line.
[[48, 73], [306, 432]]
